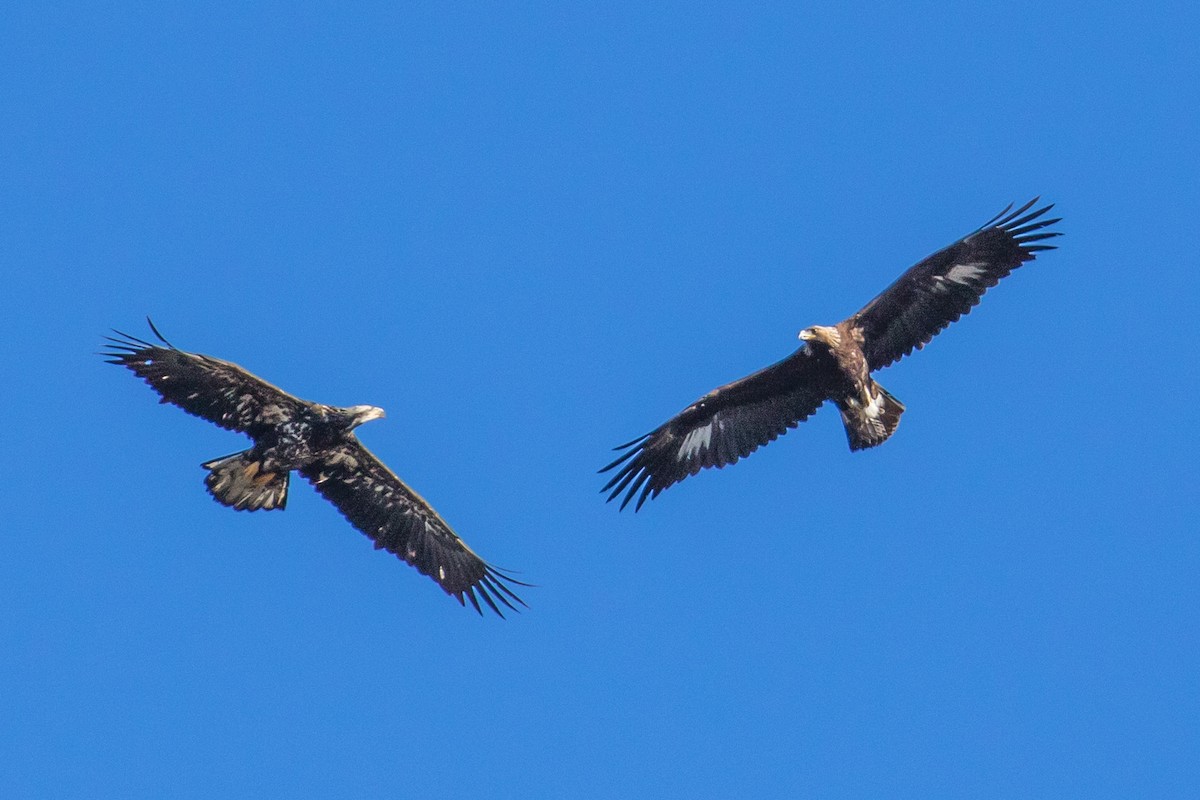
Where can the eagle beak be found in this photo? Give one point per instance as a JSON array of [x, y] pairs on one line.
[[366, 414], [805, 335]]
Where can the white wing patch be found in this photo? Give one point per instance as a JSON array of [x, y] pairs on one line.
[[965, 273], [961, 274], [695, 442]]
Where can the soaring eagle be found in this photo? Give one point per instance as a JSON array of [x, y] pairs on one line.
[[318, 441], [834, 363]]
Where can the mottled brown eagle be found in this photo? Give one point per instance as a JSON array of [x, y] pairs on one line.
[[834, 363], [318, 441]]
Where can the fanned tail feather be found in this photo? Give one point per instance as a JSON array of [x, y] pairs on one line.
[[240, 482], [871, 423]]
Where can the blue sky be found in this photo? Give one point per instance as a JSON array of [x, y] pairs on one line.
[[532, 233]]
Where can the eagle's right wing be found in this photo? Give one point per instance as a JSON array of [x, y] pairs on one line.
[[399, 520], [948, 284], [209, 388], [726, 424]]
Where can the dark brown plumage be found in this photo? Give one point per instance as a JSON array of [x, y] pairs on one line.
[[835, 363], [318, 441]]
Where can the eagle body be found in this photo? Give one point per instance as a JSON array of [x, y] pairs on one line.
[[834, 363], [869, 413], [318, 441], [258, 478]]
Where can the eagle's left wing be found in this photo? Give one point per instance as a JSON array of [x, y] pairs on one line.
[[207, 387], [726, 424], [400, 521], [946, 285]]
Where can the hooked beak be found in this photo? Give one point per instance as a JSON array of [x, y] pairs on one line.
[[366, 414]]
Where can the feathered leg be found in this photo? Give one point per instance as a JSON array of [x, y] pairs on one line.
[[871, 418]]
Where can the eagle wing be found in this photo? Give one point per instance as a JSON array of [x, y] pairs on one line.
[[726, 424], [399, 520], [207, 387], [946, 285]]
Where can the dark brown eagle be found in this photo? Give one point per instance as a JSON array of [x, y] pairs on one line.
[[318, 441], [834, 363]]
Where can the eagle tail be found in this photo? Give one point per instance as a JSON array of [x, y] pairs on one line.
[[871, 423], [240, 482]]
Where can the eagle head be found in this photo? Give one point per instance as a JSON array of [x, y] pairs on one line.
[[357, 415], [821, 333]]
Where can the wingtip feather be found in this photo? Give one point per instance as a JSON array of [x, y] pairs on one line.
[[161, 338]]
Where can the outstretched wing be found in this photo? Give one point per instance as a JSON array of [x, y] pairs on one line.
[[726, 424], [400, 521], [947, 284], [209, 388]]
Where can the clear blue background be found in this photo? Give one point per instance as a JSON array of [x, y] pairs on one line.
[[534, 232]]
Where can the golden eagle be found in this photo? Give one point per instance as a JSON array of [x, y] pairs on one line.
[[834, 363], [318, 441]]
